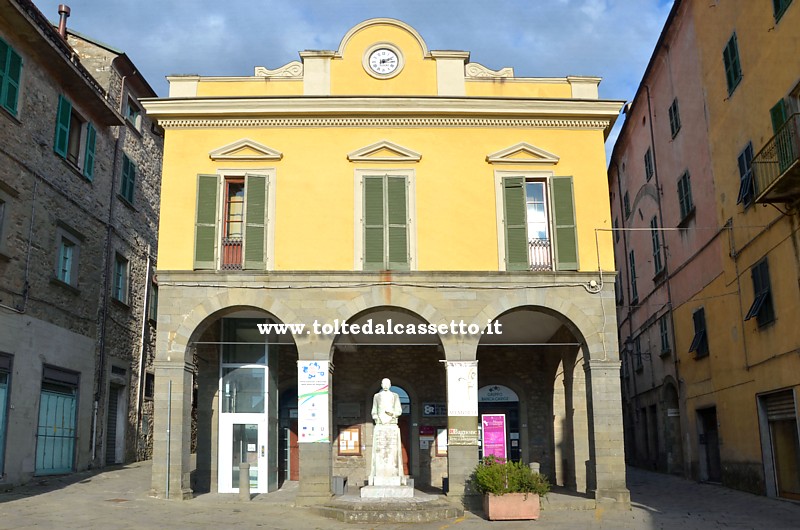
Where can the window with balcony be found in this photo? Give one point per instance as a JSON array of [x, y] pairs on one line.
[[776, 167], [733, 68], [761, 309], [648, 164], [539, 223], [231, 221], [746, 189], [655, 236], [674, 118], [685, 196], [75, 138], [10, 76], [700, 340]]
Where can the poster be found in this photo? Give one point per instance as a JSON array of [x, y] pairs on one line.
[[494, 435], [462, 388], [312, 401]]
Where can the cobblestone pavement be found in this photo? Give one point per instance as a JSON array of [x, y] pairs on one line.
[[118, 498]]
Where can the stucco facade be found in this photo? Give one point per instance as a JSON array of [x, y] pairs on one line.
[[374, 194], [734, 323], [76, 333]]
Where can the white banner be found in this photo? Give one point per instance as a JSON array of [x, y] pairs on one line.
[[313, 393], [462, 388]]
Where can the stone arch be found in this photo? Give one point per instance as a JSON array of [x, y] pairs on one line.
[[377, 21], [216, 306]]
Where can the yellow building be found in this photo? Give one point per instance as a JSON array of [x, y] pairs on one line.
[[729, 184], [387, 186]]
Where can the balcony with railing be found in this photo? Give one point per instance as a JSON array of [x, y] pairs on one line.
[[231, 254], [777, 166], [539, 255]]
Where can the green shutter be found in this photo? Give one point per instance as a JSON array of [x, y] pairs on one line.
[[255, 196], [62, 126], [514, 216], [778, 116], [398, 223], [88, 159], [566, 238], [205, 234], [128, 178], [10, 73], [374, 223]]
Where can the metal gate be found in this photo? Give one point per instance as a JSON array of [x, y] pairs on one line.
[[55, 438]]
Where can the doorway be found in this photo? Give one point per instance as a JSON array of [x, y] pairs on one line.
[[709, 444], [55, 438], [115, 424], [404, 424], [783, 444]]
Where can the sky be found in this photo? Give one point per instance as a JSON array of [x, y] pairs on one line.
[[612, 39]]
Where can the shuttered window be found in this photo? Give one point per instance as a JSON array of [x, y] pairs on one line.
[[386, 222], [128, 179], [762, 308], [255, 198], [10, 74], [733, 68], [746, 189], [566, 238], [75, 139], [63, 118], [700, 340], [516, 236], [205, 232]]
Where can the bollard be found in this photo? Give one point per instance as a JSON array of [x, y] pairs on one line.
[[244, 481], [534, 466]]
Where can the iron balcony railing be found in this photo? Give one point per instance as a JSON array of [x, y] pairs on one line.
[[777, 166], [539, 255], [231, 253]]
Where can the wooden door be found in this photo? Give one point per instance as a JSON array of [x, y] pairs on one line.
[[294, 452]]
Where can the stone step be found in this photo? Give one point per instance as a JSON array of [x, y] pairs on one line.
[[385, 511]]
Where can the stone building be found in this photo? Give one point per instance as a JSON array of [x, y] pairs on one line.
[[717, 111], [385, 210], [80, 170]]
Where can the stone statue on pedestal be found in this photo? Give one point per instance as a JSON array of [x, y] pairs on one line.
[[386, 478]]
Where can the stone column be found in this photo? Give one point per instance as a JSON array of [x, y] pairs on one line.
[[315, 406], [606, 440], [462, 430], [172, 440]]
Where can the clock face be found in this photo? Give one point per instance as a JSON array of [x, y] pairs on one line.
[[383, 61]]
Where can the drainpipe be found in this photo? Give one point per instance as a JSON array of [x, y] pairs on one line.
[[735, 257], [142, 344]]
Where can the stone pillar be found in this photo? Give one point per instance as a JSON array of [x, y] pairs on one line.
[[314, 404], [171, 450], [606, 439], [462, 430]]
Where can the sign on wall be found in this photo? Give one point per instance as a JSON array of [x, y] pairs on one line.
[[312, 401], [497, 394], [494, 435], [462, 388]]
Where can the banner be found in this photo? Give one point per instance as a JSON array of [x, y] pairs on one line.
[[313, 389], [494, 435]]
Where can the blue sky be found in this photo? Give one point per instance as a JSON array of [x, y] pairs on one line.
[[612, 39]]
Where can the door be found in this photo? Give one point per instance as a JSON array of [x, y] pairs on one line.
[[294, 452], [403, 422], [115, 425], [3, 401], [55, 437], [784, 443], [243, 438], [710, 438]]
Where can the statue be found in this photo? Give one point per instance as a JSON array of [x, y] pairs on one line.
[[387, 455]]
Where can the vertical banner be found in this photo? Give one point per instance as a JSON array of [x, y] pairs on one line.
[[313, 393], [494, 435], [462, 388]]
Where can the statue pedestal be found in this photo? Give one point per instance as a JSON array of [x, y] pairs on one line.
[[387, 478]]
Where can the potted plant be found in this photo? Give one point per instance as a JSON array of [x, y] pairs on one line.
[[511, 490]]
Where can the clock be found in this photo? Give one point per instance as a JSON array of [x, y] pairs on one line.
[[383, 60]]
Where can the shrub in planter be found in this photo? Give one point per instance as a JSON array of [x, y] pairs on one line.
[[511, 489]]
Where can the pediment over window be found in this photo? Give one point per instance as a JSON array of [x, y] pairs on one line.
[[384, 151], [245, 149], [522, 153]]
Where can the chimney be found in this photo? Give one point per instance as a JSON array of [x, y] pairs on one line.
[[63, 13]]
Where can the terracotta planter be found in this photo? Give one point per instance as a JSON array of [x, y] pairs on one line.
[[511, 506]]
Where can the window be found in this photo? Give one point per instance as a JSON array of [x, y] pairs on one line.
[[10, 75], [700, 341], [4, 211], [626, 204], [240, 241], [620, 296], [648, 164], [616, 229], [637, 351], [779, 8], [746, 189], [152, 312], [149, 385], [385, 223], [133, 113], [632, 267], [539, 223], [75, 138], [674, 118], [120, 286], [685, 195], [656, 239], [67, 254], [664, 333], [762, 308], [128, 179], [733, 69]]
